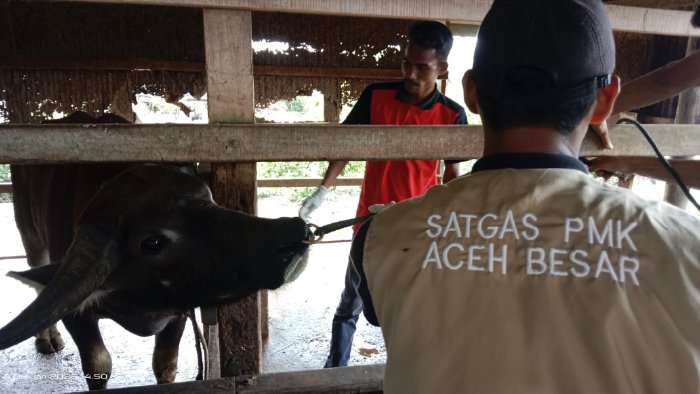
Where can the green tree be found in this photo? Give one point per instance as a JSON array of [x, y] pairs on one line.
[[303, 169], [5, 178]]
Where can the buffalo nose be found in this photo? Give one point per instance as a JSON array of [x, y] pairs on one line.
[[299, 227], [309, 234]]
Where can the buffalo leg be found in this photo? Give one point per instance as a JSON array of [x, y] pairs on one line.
[[166, 350], [48, 340], [94, 357]]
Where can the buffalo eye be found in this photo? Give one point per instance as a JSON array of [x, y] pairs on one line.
[[153, 244]]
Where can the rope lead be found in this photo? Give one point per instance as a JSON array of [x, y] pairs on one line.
[[329, 228]]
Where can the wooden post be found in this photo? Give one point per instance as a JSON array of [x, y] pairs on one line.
[[229, 59], [332, 103], [688, 112]]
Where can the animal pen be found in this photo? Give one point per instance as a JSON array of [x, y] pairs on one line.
[[96, 55]]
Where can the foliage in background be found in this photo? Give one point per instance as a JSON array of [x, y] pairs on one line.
[[305, 169], [5, 178], [4, 172]]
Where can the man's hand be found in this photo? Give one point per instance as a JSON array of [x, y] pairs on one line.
[[312, 202], [601, 131], [607, 166]]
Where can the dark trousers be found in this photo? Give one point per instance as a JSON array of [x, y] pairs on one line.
[[345, 320]]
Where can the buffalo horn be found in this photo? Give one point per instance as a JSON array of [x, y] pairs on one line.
[[88, 262]]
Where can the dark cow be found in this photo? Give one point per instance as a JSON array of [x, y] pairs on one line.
[[141, 245]]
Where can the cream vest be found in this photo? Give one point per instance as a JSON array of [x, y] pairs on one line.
[[536, 281]]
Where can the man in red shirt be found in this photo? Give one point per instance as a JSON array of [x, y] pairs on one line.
[[414, 100]]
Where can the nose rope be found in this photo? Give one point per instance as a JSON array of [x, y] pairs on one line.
[[329, 228]]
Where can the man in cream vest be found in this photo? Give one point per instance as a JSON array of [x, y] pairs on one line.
[[529, 275]]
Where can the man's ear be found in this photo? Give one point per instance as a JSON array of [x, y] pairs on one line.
[[470, 92], [442, 68], [604, 101]]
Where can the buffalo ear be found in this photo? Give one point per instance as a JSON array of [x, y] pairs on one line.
[[35, 277]]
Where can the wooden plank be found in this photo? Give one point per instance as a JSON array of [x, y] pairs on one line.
[[306, 182], [651, 21], [355, 379], [358, 379], [270, 182], [328, 72], [623, 18], [159, 65], [290, 142], [229, 58], [110, 65], [230, 88]]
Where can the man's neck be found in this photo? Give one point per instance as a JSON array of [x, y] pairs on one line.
[[532, 140], [416, 99]]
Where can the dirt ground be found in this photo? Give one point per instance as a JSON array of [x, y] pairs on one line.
[[300, 315]]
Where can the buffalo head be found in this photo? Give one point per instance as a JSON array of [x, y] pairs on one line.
[[153, 241]]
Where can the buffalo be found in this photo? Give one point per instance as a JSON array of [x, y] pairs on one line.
[[141, 244]]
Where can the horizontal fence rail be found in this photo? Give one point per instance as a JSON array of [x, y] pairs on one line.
[[306, 182], [622, 18], [291, 142], [269, 182]]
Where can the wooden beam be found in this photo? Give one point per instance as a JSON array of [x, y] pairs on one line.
[[230, 89], [21, 63], [332, 72], [623, 18], [304, 182], [290, 142], [198, 67], [652, 21], [355, 379], [269, 182], [327, 72]]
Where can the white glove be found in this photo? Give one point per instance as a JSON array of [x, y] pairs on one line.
[[312, 202]]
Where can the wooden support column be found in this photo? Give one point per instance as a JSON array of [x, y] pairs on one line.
[[688, 112], [332, 103], [121, 103], [229, 65]]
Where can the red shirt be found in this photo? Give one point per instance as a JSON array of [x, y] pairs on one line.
[[396, 180]]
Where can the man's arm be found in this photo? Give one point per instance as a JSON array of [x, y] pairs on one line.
[[356, 257], [657, 85], [360, 114], [688, 170], [451, 171], [660, 84], [335, 168], [315, 200]]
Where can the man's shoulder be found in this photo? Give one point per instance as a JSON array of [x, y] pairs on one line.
[[451, 104], [658, 214], [389, 85]]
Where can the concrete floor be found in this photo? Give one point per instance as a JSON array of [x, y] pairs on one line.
[[300, 316]]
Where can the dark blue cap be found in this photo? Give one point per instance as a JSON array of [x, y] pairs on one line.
[[571, 40]]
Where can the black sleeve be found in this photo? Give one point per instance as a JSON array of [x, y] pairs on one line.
[[356, 255], [462, 118], [360, 112]]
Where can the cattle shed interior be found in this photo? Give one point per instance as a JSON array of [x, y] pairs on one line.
[[97, 56]]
